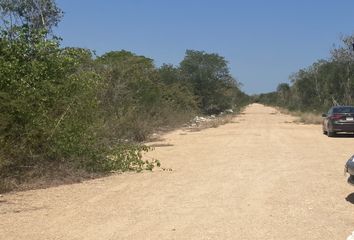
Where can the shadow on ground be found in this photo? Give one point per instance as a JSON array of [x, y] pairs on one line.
[[350, 198], [344, 135], [161, 145]]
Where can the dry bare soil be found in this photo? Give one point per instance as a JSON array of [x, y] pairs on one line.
[[260, 177]]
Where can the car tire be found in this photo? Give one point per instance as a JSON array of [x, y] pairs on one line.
[[351, 180], [331, 134]]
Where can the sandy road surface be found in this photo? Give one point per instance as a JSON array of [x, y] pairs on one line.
[[261, 177]]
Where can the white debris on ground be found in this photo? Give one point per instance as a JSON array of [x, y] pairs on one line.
[[351, 237], [197, 121], [200, 122], [200, 119]]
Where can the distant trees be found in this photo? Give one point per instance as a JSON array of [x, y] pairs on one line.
[[210, 80], [283, 92], [319, 86], [139, 96]]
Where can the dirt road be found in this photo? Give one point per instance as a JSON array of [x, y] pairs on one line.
[[261, 177]]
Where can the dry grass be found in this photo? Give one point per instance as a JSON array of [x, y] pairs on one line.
[[45, 177], [303, 117], [310, 118]]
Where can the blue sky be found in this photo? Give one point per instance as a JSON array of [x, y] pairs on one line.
[[264, 41]]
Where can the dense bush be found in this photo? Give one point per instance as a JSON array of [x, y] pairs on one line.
[[210, 80], [45, 99], [50, 107], [136, 99]]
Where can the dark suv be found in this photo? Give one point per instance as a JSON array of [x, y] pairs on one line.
[[338, 119]]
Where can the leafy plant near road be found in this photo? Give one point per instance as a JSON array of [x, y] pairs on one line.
[[67, 107]]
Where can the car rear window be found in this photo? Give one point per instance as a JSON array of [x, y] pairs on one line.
[[343, 110]]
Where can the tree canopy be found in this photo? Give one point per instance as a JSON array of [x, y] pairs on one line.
[[36, 14], [210, 79]]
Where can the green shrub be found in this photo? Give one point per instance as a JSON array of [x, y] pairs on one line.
[[51, 110], [48, 105]]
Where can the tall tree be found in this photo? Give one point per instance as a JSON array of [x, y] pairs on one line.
[[283, 91], [345, 56], [36, 14], [210, 79]]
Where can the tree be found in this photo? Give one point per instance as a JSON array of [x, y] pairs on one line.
[[283, 91], [345, 56], [169, 74], [36, 14], [210, 80], [324, 83]]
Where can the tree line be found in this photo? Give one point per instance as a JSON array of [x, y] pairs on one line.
[[68, 106], [325, 83]]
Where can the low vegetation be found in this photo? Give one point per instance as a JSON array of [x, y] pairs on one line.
[[303, 117], [67, 110]]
